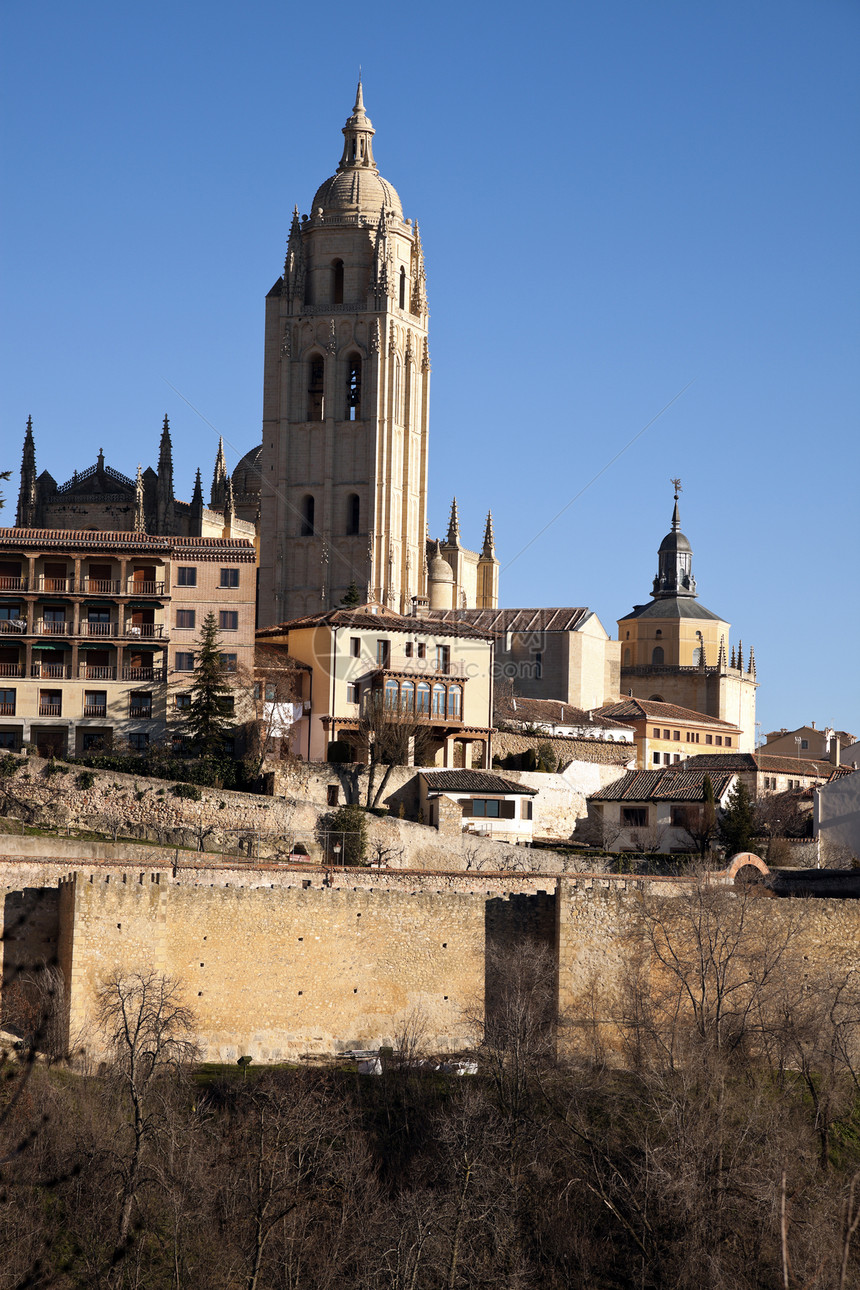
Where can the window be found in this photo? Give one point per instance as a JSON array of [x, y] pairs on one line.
[[676, 735], [383, 653], [728, 741], [455, 696], [438, 700], [666, 759], [186, 619], [422, 698], [353, 388], [681, 816], [229, 577], [709, 739], [407, 696], [229, 662], [527, 809], [655, 733], [227, 704], [7, 703], [50, 703], [677, 757], [656, 759], [138, 742], [804, 743], [410, 649], [353, 515], [666, 734], [95, 703], [422, 650], [337, 282], [718, 740], [332, 793], [228, 620], [698, 656], [352, 692], [402, 295], [443, 658], [271, 691], [183, 702], [485, 807], [657, 656], [8, 740], [316, 385], [634, 816], [391, 694], [140, 705], [355, 646], [184, 661], [306, 528], [186, 576]]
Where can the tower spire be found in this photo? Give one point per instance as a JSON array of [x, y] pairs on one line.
[[489, 548], [674, 560], [219, 479], [164, 487], [454, 525], [358, 135], [26, 513]]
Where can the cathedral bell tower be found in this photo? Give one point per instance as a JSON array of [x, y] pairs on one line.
[[345, 402]]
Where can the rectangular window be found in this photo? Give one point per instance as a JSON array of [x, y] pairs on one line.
[[184, 661], [709, 739], [656, 759], [718, 740], [689, 737], [331, 793], [95, 703], [228, 620], [383, 653], [140, 705], [352, 692], [229, 577], [655, 733], [527, 809], [8, 739], [486, 808], [229, 662], [422, 650], [677, 757], [676, 735], [443, 658], [666, 759], [186, 619], [634, 816], [409, 649], [804, 743], [183, 702], [186, 576], [138, 742], [355, 647], [728, 741], [228, 705], [681, 816], [7, 703], [666, 734], [538, 666]]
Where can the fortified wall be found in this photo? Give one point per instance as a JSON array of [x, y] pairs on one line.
[[277, 963]]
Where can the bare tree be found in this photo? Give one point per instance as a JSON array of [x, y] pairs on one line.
[[148, 1032], [33, 1006], [389, 736], [268, 691], [597, 830]]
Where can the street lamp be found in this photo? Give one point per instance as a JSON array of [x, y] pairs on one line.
[[336, 850]]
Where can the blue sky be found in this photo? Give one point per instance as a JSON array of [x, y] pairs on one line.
[[617, 200]]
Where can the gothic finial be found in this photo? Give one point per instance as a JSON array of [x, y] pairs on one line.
[[219, 479], [454, 524], [740, 656], [197, 495], [358, 135], [732, 659], [721, 659], [751, 668], [359, 95], [489, 548], [676, 519], [101, 459]]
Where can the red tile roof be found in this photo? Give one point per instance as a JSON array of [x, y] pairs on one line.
[[472, 781], [96, 539], [516, 620], [669, 785], [764, 763], [550, 711], [631, 709], [384, 620]]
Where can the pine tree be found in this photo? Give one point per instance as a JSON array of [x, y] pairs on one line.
[[208, 717], [737, 822], [352, 597]]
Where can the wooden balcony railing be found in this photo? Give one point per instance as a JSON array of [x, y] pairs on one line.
[[7, 709], [144, 588], [95, 710], [11, 669], [53, 627], [96, 672], [13, 584], [50, 671], [50, 709]]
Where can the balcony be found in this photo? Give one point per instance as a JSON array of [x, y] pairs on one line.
[[50, 671], [100, 672], [99, 629], [140, 714], [95, 709], [50, 709], [49, 627], [144, 674], [13, 584], [134, 588], [7, 709], [101, 586], [13, 626], [58, 586], [144, 631], [11, 669]]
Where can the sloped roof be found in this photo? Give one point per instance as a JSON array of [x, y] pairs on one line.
[[516, 620], [672, 607], [472, 781], [766, 763], [551, 711], [384, 620], [647, 709], [669, 785], [96, 539]]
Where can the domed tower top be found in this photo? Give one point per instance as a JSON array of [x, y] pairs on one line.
[[674, 560], [357, 187]]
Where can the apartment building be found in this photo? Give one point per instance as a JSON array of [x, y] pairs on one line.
[[98, 633]]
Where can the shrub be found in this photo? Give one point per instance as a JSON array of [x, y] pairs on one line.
[[85, 779], [9, 765], [351, 824], [54, 768], [189, 791]]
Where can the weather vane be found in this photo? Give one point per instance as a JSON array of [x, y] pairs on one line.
[[676, 484]]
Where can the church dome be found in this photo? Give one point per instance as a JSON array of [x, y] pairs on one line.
[[674, 541], [440, 570], [357, 188], [246, 476]]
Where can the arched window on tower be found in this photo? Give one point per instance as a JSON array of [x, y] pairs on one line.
[[337, 282], [657, 656], [353, 388], [316, 388], [395, 409], [402, 287], [307, 525], [353, 515]]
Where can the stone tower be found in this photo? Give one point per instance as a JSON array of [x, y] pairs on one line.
[[674, 650], [345, 400]]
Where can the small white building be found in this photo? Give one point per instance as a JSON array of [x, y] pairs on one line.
[[475, 801], [837, 818]]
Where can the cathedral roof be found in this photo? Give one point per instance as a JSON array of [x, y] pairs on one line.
[[246, 476], [672, 607], [357, 188], [517, 620]]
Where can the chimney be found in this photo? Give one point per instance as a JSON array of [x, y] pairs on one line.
[[835, 749], [420, 607]]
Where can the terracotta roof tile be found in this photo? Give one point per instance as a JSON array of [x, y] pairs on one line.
[[552, 711], [638, 709], [472, 781], [498, 621], [669, 785], [760, 762], [384, 620]]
